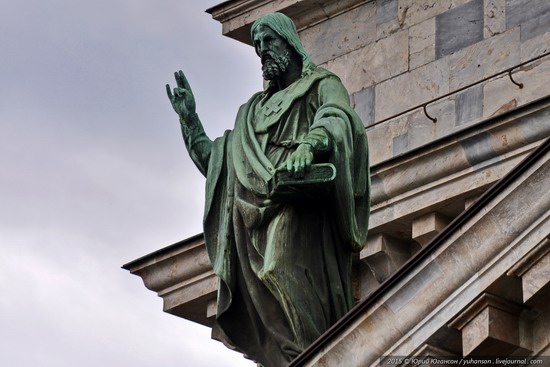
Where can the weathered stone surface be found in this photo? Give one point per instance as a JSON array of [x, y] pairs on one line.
[[534, 271], [495, 18], [380, 147], [400, 144], [384, 255], [426, 227], [535, 47], [459, 28], [478, 148], [484, 59], [341, 34], [489, 327], [414, 12], [387, 29], [501, 95], [444, 110], [422, 43], [364, 103], [469, 104], [426, 182], [470, 201], [237, 16], [386, 10], [411, 89], [541, 336], [372, 64], [387, 20], [537, 278], [522, 11], [422, 130], [456, 3], [535, 27], [381, 139]]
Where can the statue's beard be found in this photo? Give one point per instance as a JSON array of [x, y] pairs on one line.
[[273, 66]]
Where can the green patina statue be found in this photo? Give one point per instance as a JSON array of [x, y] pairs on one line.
[[287, 200]]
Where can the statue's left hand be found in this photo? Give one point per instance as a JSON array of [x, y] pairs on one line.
[[300, 160]]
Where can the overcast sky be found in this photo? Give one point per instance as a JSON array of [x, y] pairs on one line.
[[94, 174]]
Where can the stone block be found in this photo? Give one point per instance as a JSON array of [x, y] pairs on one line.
[[380, 146], [400, 144], [490, 327], [470, 201], [536, 281], [384, 255], [534, 47], [386, 10], [478, 148], [422, 43], [387, 29], [522, 11], [372, 64], [534, 270], [456, 3], [211, 308], [414, 12], [381, 138], [541, 336], [387, 20], [412, 89], [421, 130], [340, 35], [364, 104], [484, 59], [501, 95], [458, 28], [444, 111], [426, 227], [469, 104], [495, 18], [368, 282], [535, 27]]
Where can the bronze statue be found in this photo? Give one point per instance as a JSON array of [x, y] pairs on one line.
[[287, 200]]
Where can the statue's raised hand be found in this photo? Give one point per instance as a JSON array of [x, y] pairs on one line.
[[182, 99]]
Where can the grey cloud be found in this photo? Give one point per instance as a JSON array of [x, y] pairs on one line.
[[94, 174]]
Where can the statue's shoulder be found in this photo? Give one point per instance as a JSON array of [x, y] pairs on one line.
[[323, 73], [252, 100]]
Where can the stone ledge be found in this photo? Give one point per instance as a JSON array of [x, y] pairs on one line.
[[182, 276], [237, 16], [534, 271]]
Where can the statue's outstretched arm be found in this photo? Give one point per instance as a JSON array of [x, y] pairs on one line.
[[196, 141]]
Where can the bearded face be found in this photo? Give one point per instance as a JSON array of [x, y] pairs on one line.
[[274, 65], [274, 51]]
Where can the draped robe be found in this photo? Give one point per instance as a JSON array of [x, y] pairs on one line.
[[285, 266]]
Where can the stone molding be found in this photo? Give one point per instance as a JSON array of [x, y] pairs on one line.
[[237, 16], [430, 292], [534, 271], [490, 327], [182, 276]]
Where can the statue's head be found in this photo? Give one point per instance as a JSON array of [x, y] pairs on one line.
[[276, 41]]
